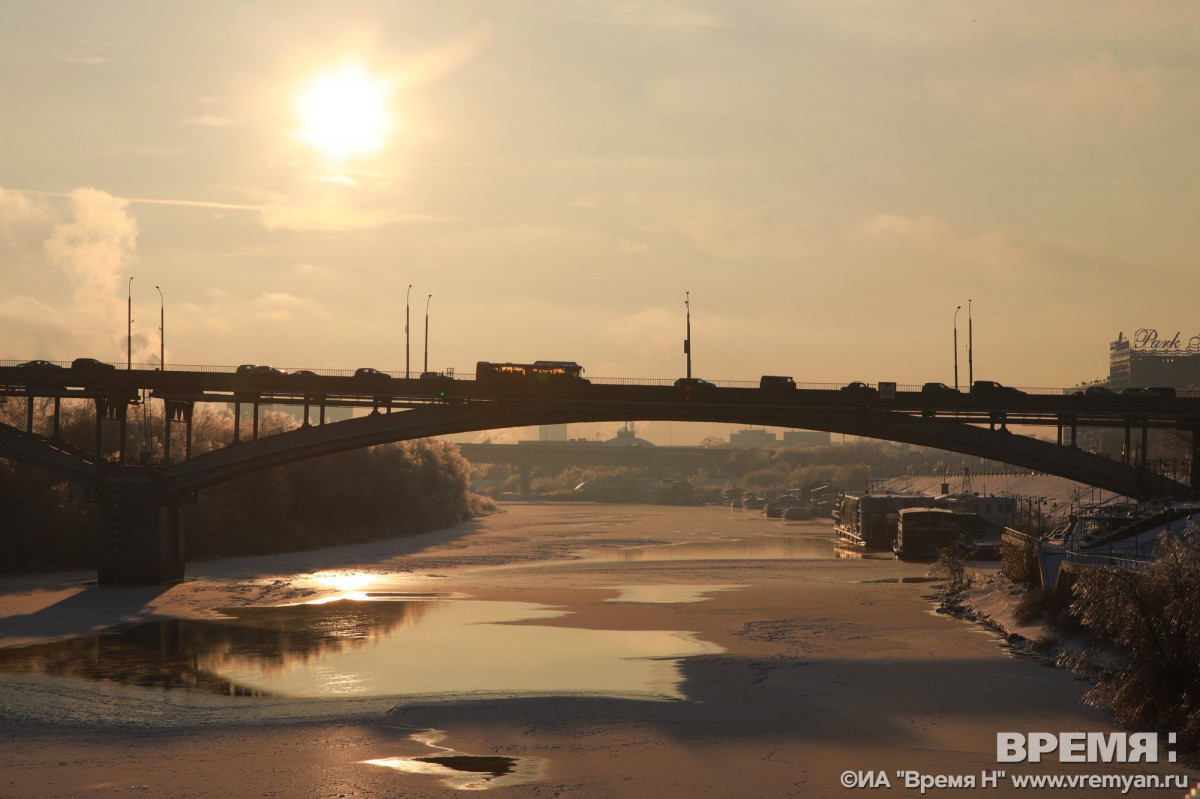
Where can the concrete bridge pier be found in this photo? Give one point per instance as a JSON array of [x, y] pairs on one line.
[[141, 529], [1196, 464]]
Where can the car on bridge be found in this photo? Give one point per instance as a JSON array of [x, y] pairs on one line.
[[860, 389], [1095, 392], [992, 388], [258, 369], [91, 365], [690, 384], [939, 390], [776, 383], [367, 374], [1154, 392], [41, 373]]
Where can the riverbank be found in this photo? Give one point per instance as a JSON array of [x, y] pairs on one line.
[[814, 667]]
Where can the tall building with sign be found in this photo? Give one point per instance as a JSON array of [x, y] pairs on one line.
[[1148, 359]]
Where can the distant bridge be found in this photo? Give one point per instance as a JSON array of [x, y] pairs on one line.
[[140, 505], [658, 461]]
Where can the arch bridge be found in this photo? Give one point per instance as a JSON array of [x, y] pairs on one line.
[[141, 530]]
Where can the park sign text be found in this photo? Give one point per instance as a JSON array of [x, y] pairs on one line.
[[1148, 339]]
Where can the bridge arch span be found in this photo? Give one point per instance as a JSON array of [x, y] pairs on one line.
[[427, 421]]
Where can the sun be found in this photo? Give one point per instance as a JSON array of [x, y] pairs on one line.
[[345, 112]]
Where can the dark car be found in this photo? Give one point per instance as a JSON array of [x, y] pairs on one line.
[[937, 389], [776, 383], [91, 365], [368, 374], [438, 376], [1095, 392], [991, 387], [39, 364], [303, 373], [258, 369], [693, 386], [858, 387], [1163, 392]]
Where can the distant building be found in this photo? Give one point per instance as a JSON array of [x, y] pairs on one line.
[[805, 438], [1150, 360], [1144, 360], [627, 437], [751, 438], [552, 432]]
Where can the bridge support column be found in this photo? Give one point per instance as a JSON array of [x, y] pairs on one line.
[[525, 483], [658, 465], [141, 529], [1196, 464], [111, 409], [177, 411]]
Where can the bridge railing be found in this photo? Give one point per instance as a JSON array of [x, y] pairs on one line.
[[610, 381], [1136, 564]]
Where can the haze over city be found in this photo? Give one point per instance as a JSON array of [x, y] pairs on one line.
[[828, 180]]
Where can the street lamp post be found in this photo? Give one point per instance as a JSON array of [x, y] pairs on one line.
[[162, 331], [687, 342], [956, 310], [427, 299], [129, 328], [970, 348], [406, 337]]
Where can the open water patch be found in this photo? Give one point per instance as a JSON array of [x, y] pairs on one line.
[[896, 580], [774, 545], [433, 647], [462, 771], [669, 594]]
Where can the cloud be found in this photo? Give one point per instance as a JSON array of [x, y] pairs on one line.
[[433, 64], [991, 251], [93, 249], [278, 306], [24, 221], [210, 121], [629, 247], [94, 245], [87, 61], [333, 216]]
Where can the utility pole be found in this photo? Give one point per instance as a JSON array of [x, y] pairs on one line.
[[427, 299], [970, 347], [687, 342], [162, 331], [129, 329], [406, 337], [956, 310]]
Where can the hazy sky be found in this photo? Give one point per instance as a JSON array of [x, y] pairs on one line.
[[828, 178]]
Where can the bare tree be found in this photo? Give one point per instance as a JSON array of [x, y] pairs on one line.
[[1153, 621]]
